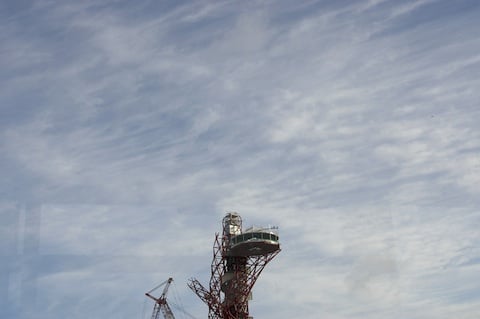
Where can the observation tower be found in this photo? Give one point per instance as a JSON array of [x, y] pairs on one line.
[[238, 259]]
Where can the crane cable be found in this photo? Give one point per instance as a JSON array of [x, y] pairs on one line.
[[160, 285], [144, 308], [178, 304], [176, 298]]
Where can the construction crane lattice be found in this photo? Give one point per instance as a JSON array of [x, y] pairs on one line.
[[161, 304]]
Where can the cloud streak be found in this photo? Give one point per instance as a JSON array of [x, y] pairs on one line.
[[127, 130]]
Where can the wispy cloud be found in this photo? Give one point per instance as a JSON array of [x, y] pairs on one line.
[[127, 130]]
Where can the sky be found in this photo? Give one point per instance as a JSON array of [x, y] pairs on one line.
[[129, 128]]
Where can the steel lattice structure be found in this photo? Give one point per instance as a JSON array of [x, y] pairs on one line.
[[238, 260], [161, 303]]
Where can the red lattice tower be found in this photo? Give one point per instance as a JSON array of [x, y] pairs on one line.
[[238, 259]]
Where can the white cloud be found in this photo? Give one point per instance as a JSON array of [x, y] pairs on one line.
[[117, 231], [135, 127], [409, 6]]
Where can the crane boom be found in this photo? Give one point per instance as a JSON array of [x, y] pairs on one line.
[[161, 304]]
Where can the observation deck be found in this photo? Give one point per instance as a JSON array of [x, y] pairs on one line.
[[254, 242]]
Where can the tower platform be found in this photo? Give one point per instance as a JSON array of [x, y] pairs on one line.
[[253, 243]]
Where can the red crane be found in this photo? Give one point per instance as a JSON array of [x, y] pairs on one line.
[[161, 304]]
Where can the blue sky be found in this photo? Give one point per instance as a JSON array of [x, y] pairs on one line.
[[129, 128]]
